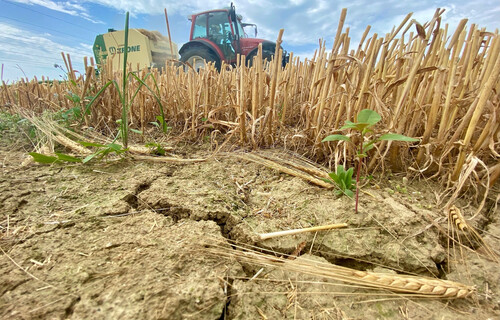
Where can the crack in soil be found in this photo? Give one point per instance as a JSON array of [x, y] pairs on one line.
[[13, 286], [71, 308], [229, 291], [133, 198]]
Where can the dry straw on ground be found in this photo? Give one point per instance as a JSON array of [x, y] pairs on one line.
[[423, 287], [426, 81]]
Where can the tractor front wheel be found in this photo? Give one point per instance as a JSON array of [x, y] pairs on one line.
[[197, 56]]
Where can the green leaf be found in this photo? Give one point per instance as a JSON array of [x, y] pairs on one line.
[[336, 137], [327, 180], [74, 98], [396, 137], [67, 158], [367, 130], [368, 116], [73, 112], [349, 193], [362, 127], [342, 175], [350, 172], [348, 125], [334, 177], [348, 181], [367, 146], [91, 144], [103, 152], [136, 131], [89, 157], [342, 185], [340, 169], [87, 107], [156, 148], [115, 147], [41, 158]]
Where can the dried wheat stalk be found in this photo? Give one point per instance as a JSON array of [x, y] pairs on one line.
[[419, 286], [457, 219], [275, 165]]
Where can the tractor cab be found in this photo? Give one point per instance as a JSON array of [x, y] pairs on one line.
[[216, 29], [219, 35]]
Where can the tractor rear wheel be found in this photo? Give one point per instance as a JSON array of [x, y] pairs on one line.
[[266, 54], [196, 57]]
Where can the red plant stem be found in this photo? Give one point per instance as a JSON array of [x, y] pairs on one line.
[[357, 182], [360, 157]]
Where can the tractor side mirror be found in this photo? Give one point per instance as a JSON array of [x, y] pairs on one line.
[[232, 13]]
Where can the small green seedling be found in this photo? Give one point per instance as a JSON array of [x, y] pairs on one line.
[[366, 119], [161, 123], [343, 180], [156, 148], [103, 150]]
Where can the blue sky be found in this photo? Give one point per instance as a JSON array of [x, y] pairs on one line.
[[34, 32]]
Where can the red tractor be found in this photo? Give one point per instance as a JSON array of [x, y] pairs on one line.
[[219, 35]]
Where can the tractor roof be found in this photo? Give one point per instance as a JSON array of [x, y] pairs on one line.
[[190, 17]]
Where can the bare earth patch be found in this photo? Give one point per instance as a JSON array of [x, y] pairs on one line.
[[125, 240]]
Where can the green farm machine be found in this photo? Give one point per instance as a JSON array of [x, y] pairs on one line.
[[146, 49]]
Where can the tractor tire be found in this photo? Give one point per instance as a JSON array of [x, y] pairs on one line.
[[195, 57], [266, 54]]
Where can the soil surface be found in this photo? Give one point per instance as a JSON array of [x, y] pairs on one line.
[[127, 239]]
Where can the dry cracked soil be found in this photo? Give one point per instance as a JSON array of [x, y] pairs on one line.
[[129, 240]]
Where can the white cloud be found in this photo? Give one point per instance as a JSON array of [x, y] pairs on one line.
[[156, 6], [309, 54], [304, 21], [68, 7], [28, 49], [34, 44], [87, 46]]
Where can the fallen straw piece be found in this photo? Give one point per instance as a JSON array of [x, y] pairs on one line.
[[264, 236]]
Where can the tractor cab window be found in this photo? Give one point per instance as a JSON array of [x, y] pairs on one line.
[[220, 32], [200, 26], [241, 31], [217, 30]]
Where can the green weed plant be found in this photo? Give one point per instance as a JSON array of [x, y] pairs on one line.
[[364, 129], [343, 181]]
